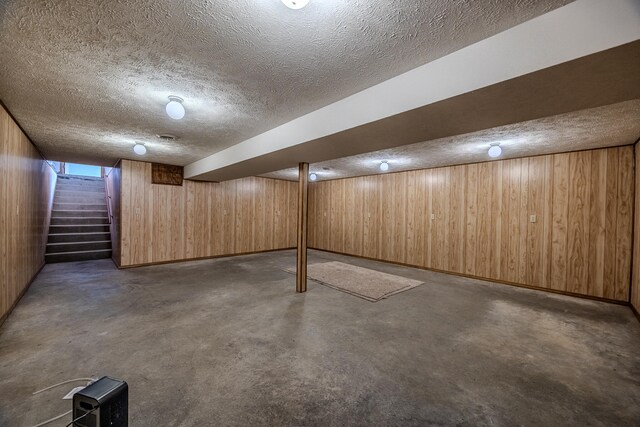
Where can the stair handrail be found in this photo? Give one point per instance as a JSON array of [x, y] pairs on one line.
[[106, 190]]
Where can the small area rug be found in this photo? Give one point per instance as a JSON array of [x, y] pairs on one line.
[[362, 282]]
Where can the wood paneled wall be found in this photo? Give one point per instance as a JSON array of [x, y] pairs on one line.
[[114, 188], [635, 286], [202, 219], [27, 184], [476, 220]]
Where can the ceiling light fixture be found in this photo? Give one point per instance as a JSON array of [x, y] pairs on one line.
[[139, 149], [295, 4], [313, 176], [174, 108], [495, 150], [384, 166]]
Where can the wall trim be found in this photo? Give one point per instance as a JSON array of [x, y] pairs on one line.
[[499, 282], [173, 261], [634, 311], [24, 291]]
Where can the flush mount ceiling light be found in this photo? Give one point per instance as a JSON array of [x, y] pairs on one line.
[[313, 176], [139, 149], [174, 108], [384, 166], [295, 4], [495, 150]]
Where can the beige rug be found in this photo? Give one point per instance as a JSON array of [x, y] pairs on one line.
[[369, 284]]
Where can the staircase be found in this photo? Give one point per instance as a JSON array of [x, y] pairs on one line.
[[79, 229]]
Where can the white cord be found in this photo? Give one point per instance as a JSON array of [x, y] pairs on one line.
[[65, 382], [91, 380], [52, 419]]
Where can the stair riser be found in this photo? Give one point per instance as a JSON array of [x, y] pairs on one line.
[[75, 247], [80, 200], [58, 229], [87, 237], [73, 186], [79, 207], [87, 256], [77, 178], [60, 193], [79, 221], [79, 214], [99, 186]]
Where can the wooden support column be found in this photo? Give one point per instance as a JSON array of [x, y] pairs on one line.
[[301, 266]]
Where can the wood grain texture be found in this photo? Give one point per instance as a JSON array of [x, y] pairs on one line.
[[114, 190], [302, 226], [166, 174], [27, 185], [635, 286], [161, 223], [476, 220]]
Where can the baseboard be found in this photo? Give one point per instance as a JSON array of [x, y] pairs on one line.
[[115, 261], [500, 282], [24, 291], [633, 309], [173, 261]]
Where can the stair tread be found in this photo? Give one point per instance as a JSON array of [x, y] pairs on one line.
[[69, 226], [77, 225], [80, 252], [78, 243], [80, 217], [87, 177], [73, 234]]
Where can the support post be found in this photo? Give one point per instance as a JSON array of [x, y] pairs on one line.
[[301, 266]]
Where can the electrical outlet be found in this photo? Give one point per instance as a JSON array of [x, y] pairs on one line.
[[533, 218], [433, 216]]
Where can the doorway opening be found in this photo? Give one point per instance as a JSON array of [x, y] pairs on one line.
[[78, 169]]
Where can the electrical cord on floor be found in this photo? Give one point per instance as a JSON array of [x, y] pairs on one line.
[[57, 417], [81, 416], [65, 382], [50, 420]]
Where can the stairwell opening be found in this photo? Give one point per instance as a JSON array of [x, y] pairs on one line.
[[83, 170], [79, 229]]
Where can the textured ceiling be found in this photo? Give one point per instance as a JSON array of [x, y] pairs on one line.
[[609, 126], [86, 79]]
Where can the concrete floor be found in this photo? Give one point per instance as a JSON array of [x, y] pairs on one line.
[[228, 342]]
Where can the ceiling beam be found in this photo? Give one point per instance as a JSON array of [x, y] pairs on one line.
[[562, 61]]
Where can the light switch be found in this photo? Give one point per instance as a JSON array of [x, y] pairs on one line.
[[433, 216], [533, 218]]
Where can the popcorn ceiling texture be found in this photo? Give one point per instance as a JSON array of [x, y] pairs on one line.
[[86, 79], [609, 126]]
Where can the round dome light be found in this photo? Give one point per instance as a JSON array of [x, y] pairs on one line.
[[174, 108], [313, 176], [295, 4], [384, 166], [139, 149], [495, 151]]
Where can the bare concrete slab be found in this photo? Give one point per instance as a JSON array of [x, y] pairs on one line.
[[229, 342]]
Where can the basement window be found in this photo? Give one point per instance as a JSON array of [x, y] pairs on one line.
[[82, 170]]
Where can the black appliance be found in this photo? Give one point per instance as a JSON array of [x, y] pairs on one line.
[[101, 404]]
